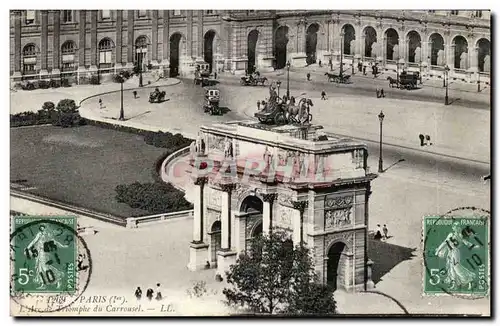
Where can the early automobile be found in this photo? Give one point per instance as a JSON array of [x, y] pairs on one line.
[[253, 79], [212, 99], [157, 96], [202, 75]]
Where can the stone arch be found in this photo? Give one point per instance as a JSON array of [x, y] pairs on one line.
[[371, 43], [392, 44], [251, 203], [483, 54], [106, 49], [215, 241], [177, 52], [209, 47], [256, 229], [414, 46], [281, 40], [436, 42], [68, 55], [349, 37], [30, 53], [336, 263], [312, 42], [461, 52], [252, 49]]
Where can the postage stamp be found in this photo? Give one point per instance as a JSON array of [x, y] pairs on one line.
[[456, 255], [49, 262]]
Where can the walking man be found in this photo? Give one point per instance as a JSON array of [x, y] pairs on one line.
[[364, 70], [100, 103], [135, 94], [149, 294], [158, 292], [386, 231], [258, 105], [323, 95], [308, 77], [378, 234], [138, 293], [215, 75]]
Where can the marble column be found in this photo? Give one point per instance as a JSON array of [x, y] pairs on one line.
[[93, 40], [450, 56], [473, 58], [384, 50], [225, 257], [17, 43], [154, 37], [198, 250], [56, 43], [303, 26], [119, 37], [298, 221], [426, 53], [44, 42], [130, 39], [267, 212], [199, 28], [81, 40], [362, 45]]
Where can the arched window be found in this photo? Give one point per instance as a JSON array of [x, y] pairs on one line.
[[106, 14], [105, 52], [30, 17], [478, 13], [68, 50], [454, 12], [209, 12], [177, 12], [29, 59], [142, 13]]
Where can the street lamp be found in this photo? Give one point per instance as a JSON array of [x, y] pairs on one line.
[[139, 52], [380, 162], [420, 69], [122, 114], [478, 82], [288, 80], [397, 73], [446, 71], [278, 84], [341, 53]]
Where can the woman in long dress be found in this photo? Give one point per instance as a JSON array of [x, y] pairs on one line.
[[457, 275]]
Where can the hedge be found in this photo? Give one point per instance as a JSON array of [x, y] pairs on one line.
[[156, 198], [64, 115]]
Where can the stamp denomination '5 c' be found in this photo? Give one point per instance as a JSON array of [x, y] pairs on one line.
[[456, 255]]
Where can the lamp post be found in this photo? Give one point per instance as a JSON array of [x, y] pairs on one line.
[[288, 80], [397, 72], [380, 161], [420, 70], [278, 84], [446, 71], [139, 54], [478, 82], [122, 114]]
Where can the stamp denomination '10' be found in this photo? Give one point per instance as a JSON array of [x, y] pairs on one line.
[[456, 255]]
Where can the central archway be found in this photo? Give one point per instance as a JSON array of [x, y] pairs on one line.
[[253, 37], [280, 45], [392, 47], [414, 47], [175, 53], [334, 268], [484, 55], [311, 43], [208, 48], [437, 49], [460, 54], [370, 41], [349, 39]]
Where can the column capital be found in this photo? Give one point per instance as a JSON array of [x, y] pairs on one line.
[[269, 197], [227, 187], [200, 181], [300, 205]]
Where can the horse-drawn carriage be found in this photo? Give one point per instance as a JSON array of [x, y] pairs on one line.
[[202, 75], [253, 79], [341, 78], [280, 111], [406, 80], [157, 96], [212, 99]]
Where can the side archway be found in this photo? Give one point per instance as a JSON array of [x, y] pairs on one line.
[[215, 242], [349, 36], [437, 49], [461, 59], [336, 264], [370, 41], [280, 46], [392, 44], [414, 47], [177, 51], [208, 48], [484, 55], [311, 43], [252, 40]]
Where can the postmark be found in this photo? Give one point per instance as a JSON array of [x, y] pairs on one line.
[[50, 263], [457, 253]]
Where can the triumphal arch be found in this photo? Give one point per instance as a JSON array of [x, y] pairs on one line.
[[249, 177]]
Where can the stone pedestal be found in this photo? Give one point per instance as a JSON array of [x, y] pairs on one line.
[[265, 64], [298, 60], [56, 73], [224, 260], [197, 256]]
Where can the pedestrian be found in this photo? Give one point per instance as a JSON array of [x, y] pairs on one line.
[[258, 105], [323, 95], [386, 231], [360, 66], [378, 92], [308, 77], [135, 94], [422, 138], [207, 265], [149, 294], [100, 103], [330, 63], [319, 63], [378, 234], [364, 70], [382, 92], [158, 292], [138, 293], [215, 75], [428, 140]]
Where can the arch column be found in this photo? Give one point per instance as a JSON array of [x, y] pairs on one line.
[[130, 39], [362, 46], [473, 58], [17, 43], [267, 212], [384, 50], [426, 53], [298, 221], [119, 33], [450, 56], [225, 257], [198, 250]]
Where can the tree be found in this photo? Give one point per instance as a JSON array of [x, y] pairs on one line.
[[274, 277]]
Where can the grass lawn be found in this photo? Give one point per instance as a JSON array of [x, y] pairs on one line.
[[81, 166]]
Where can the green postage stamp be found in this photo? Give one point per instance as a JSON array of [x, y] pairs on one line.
[[456, 255], [44, 254]]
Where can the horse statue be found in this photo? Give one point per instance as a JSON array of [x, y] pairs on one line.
[[392, 82], [299, 113]]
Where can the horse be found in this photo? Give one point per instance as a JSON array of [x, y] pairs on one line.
[[261, 80], [330, 77], [392, 81], [299, 113]]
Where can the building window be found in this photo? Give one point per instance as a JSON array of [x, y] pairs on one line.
[[68, 50], [105, 51], [431, 11], [454, 12], [209, 12], [250, 12], [106, 14], [29, 59], [177, 12], [67, 16], [478, 13], [142, 13], [30, 17]]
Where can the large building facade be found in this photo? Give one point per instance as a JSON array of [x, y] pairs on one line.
[[55, 43]]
